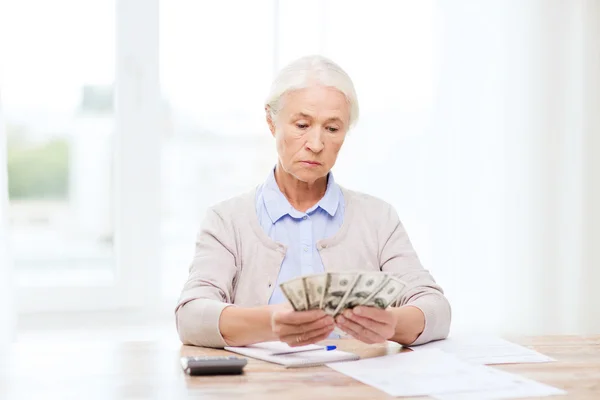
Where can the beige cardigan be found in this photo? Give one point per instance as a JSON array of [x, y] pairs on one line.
[[237, 263]]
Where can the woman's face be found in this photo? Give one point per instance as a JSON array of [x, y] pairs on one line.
[[309, 131]]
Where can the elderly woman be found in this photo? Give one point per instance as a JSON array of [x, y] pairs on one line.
[[300, 222]]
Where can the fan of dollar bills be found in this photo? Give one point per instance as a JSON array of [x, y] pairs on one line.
[[333, 292]]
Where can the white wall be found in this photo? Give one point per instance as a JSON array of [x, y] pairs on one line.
[[515, 152], [465, 158], [591, 163]]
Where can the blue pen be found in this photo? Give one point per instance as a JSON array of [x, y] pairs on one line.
[[292, 351]]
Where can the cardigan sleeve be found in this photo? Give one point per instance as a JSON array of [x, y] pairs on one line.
[[397, 256], [208, 289]]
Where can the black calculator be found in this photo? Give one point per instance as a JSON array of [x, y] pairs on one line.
[[213, 365]]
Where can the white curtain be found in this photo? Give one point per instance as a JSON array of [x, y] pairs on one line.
[[7, 320], [514, 162]]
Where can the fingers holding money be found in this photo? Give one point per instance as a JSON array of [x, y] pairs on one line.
[[302, 327], [368, 324], [290, 317], [289, 323], [310, 337], [358, 331], [375, 314]]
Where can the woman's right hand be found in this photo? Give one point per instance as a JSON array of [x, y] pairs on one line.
[[299, 328]]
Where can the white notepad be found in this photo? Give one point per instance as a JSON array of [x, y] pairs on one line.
[[264, 351]]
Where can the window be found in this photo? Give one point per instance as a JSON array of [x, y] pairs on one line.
[[57, 96], [70, 147]]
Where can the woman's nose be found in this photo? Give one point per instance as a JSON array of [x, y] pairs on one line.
[[315, 141]]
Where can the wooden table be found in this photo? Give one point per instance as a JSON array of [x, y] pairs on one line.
[[151, 370]]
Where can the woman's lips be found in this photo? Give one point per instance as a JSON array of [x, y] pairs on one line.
[[311, 163]]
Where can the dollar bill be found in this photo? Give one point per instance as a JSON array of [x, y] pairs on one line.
[[315, 289], [336, 286], [386, 295], [366, 284], [296, 294]]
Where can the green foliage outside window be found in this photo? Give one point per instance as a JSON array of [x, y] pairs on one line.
[[37, 170]]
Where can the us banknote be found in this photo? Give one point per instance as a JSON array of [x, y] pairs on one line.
[[366, 284], [296, 294], [386, 294], [336, 286], [315, 289]]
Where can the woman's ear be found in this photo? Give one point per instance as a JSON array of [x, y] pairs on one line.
[[270, 120]]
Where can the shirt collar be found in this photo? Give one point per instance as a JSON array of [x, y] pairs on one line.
[[277, 204]]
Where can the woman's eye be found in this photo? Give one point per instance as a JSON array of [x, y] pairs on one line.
[[332, 129], [302, 126]]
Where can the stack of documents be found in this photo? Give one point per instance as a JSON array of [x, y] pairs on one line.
[[451, 370]]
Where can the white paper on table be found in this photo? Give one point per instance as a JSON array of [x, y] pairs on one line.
[[521, 387], [486, 350], [422, 373]]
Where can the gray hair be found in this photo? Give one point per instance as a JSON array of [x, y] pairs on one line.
[[307, 71]]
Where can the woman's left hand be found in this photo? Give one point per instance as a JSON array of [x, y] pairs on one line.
[[368, 324]]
